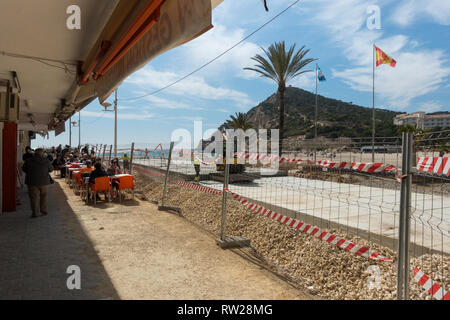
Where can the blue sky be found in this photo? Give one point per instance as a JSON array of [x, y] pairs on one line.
[[414, 32]]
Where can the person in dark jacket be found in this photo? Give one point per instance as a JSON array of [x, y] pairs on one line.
[[97, 172], [37, 169], [28, 153]]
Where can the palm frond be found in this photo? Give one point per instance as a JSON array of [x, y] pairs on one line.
[[281, 65]]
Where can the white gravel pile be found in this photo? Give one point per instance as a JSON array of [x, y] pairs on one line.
[[332, 272]]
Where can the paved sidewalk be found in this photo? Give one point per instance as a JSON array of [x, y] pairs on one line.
[[35, 254], [125, 251]]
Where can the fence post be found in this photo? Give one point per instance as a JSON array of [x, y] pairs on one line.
[[224, 200], [110, 153], [404, 218], [103, 156], [131, 157], [407, 217], [167, 174]]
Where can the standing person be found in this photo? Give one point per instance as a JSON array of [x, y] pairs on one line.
[[28, 153], [85, 149], [59, 149], [37, 169], [196, 168], [126, 163], [65, 150]]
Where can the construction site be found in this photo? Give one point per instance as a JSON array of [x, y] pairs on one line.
[[346, 205]]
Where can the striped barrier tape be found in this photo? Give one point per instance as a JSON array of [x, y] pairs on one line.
[[430, 286], [333, 239], [359, 166], [197, 187], [436, 165], [296, 224], [207, 163], [420, 277]]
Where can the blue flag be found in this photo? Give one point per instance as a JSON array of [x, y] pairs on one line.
[[321, 76]]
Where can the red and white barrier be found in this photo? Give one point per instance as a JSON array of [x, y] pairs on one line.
[[207, 163], [437, 291], [431, 286], [197, 187], [313, 231], [359, 166], [436, 165]]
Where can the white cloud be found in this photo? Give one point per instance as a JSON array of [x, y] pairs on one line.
[[418, 72], [120, 116], [430, 106], [192, 87], [120, 107], [305, 81], [409, 11], [162, 103], [217, 41]]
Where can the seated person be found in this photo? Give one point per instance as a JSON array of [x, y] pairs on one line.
[[97, 173], [87, 170], [113, 169]]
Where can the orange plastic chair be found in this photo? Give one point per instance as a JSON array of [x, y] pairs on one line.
[[73, 165], [125, 183], [102, 184], [79, 180], [76, 176]]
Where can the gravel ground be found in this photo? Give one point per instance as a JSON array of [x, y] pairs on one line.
[[151, 254], [421, 183], [330, 272]]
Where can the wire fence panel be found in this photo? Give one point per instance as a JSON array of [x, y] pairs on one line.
[[430, 215], [320, 213]]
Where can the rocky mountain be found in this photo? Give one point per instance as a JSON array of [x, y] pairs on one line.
[[336, 118]]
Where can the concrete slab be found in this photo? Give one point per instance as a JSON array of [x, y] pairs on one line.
[[371, 209]]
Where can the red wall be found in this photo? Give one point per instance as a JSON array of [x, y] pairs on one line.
[[9, 166]]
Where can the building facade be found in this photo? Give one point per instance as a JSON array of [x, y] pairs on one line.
[[424, 120]]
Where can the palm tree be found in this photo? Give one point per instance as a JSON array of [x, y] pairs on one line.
[[240, 121], [281, 67]]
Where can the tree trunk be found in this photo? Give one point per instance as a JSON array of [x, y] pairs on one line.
[[281, 90]]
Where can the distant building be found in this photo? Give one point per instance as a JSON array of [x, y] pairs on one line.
[[424, 120]]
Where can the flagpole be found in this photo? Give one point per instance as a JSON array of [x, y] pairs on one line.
[[315, 117], [373, 108]]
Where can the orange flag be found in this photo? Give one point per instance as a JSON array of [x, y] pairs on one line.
[[383, 58]]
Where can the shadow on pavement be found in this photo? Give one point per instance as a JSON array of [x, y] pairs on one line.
[[35, 254]]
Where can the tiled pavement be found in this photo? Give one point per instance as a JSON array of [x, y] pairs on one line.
[[35, 254]]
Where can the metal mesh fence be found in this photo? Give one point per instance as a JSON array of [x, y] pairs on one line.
[[322, 212]]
